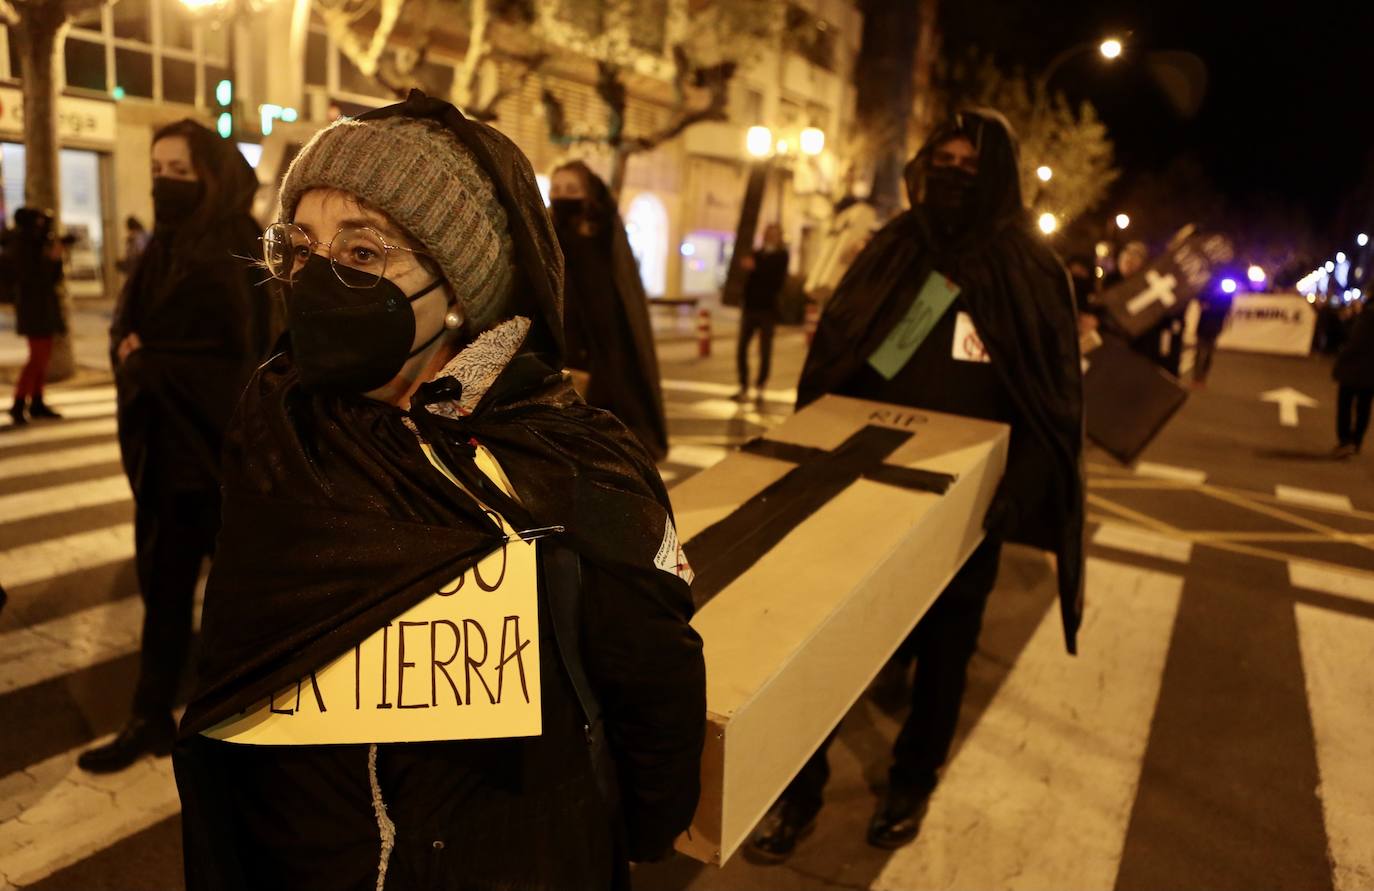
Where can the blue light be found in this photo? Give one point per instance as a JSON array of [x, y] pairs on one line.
[[1228, 285], [688, 249]]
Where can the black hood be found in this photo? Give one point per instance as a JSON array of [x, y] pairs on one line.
[[996, 202], [538, 260]]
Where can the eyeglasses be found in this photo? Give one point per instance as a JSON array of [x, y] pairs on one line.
[[357, 254]]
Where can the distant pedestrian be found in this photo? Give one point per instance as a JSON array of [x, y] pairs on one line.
[[606, 312], [33, 265], [1215, 309], [759, 314], [989, 332], [1354, 374], [135, 240], [186, 335]]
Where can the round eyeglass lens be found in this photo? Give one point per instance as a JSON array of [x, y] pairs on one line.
[[359, 257], [285, 249]]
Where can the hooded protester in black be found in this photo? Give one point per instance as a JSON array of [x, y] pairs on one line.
[[336, 523], [1021, 304], [201, 326], [607, 313]]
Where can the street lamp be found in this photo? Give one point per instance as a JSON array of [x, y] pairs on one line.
[[1228, 285], [1110, 48], [1122, 221], [1048, 223], [1044, 172], [1329, 267], [759, 141], [812, 141], [1362, 239], [1256, 274], [1340, 256]]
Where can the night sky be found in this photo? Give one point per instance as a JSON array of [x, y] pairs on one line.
[[1288, 116]]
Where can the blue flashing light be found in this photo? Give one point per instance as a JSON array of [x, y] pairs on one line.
[[1228, 285]]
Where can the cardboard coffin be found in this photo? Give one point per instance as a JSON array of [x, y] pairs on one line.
[[816, 551], [1128, 399]]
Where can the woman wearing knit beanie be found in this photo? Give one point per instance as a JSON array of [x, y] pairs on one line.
[[442, 644]]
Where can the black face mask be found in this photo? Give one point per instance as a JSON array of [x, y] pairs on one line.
[[174, 200], [567, 210], [949, 198], [350, 340]]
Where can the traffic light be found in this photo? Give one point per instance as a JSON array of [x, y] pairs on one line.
[[224, 100]]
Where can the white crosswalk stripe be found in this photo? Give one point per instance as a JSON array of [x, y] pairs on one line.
[[66, 554], [100, 409], [50, 649], [69, 496], [80, 394], [59, 459], [713, 389], [56, 432], [68, 814]]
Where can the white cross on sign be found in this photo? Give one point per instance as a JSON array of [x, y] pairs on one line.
[[1161, 288]]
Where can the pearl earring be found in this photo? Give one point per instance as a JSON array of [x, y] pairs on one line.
[[453, 320]]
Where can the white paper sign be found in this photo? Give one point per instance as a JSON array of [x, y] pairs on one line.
[[461, 664], [968, 346]]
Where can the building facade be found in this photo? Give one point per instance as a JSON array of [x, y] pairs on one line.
[[139, 64]]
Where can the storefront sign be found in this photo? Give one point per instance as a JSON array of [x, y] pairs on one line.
[[1282, 324], [78, 120]]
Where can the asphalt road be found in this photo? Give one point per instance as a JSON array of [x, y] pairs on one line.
[[1215, 731]]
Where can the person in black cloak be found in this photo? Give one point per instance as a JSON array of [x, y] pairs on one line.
[[424, 303], [605, 311], [189, 328], [33, 265], [967, 225], [1354, 375], [762, 290]]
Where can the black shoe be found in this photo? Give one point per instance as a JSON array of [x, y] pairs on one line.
[[141, 736], [898, 818], [742, 395], [18, 414], [1339, 453], [782, 828], [39, 409]]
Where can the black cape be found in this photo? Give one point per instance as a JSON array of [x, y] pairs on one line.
[[195, 302], [620, 354], [335, 522], [1022, 304]]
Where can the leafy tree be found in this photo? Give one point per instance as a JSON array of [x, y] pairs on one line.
[[706, 42], [1073, 143]]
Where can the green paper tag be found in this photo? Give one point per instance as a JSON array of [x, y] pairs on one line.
[[899, 346]]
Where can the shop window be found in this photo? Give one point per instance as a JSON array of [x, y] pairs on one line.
[[316, 60], [134, 72], [131, 20], [176, 24], [85, 63], [213, 75], [178, 81], [89, 19], [646, 226]]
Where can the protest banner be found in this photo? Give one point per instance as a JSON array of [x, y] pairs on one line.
[[461, 664], [816, 550], [1280, 324], [1165, 287]]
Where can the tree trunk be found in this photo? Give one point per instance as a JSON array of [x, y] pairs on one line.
[[41, 30]]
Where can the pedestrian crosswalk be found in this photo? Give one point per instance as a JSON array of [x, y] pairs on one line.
[[1038, 795]]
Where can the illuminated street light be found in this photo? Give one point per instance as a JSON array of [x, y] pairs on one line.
[[1048, 223], [759, 141], [782, 146], [1110, 48], [1329, 267], [1122, 221], [1362, 239], [1255, 274], [812, 141], [1228, 285], [1340, 256], [1044, 173]]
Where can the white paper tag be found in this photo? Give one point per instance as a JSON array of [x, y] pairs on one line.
[[968, 346], [671, 558]]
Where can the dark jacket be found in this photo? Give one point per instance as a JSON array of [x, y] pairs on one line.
[[608, 326], [763, 288], [34, 274], [374, 529], [1355, 365], [193, 300], [1021, 303]]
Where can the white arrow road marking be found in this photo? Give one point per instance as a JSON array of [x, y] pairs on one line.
[[1161, 289], [53, 814], [1358, 585], [1313, 498], [1337, 650], [1040, 793], [1289, 400], [1143, 541]]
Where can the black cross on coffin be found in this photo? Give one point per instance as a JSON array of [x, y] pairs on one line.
[[726, 550]]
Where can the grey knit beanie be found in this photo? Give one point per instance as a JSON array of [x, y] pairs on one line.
[[417, 173]]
